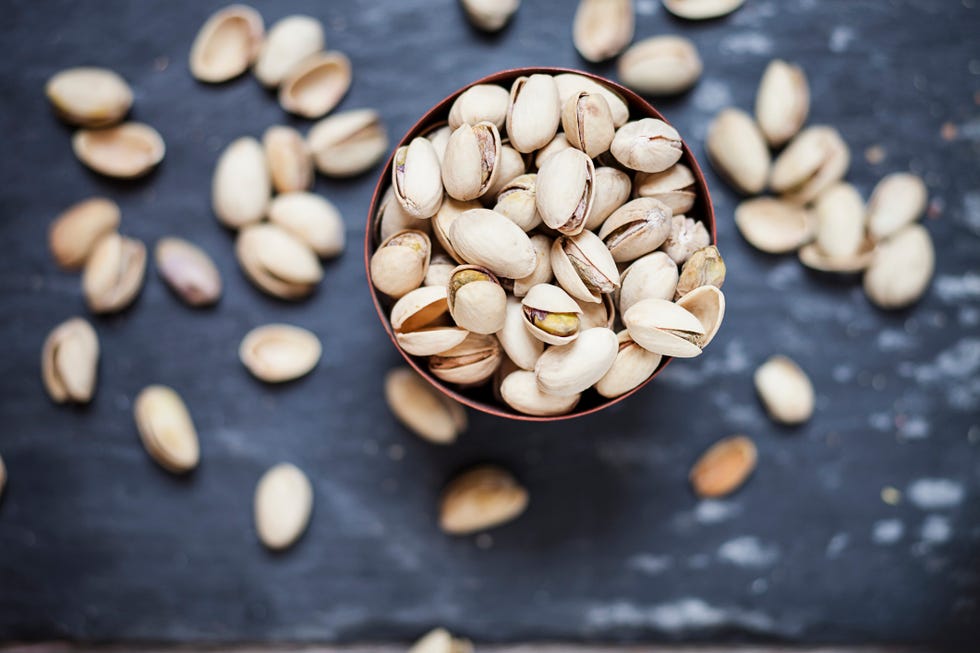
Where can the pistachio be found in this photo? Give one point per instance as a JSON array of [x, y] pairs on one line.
[[602, 314], [283, 504], [738, 151], [816, 158], [773, 225], [662, 327], [440, 641], [420, 323], [785, 390], [439, 137], [275, 353], [188, 270], [349, 143], [674, 187], [812, 256], [114, 273], [520, 345], [550, 315], [707, 303], [166, 429], [704, 268], [542, 267], [647, 145], [534, 112], [427, 413], [686, 237], [486, 238], [570, 84], [661, 65], [724, 467], [392, 218], [227, 44], [520, 391], [288, 159], [399, 264], [898, 200], [602, 28], [440, 269], [89, 97], [636, 228], [471, 362], [517, 201], [573, 368], [840, 221], [566, 187], [511, 165], [291, 40], [126, 151], [476, 301], [316, 85], [480, 103], [490, 15], [701, 9], [70, 361], [417, 179], [584, 266], [311, 218], [241, 185], [470, 162], [75, 232], [443, 221], [633, 366], [782, 102], [277, 262], [480, 498], [554, 146], [901, 269], [588, 123], [652, 276], [611, 189]]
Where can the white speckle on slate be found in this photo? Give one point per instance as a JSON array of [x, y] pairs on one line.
[[650, 564], [837, 544], [687, 614], [711, 96], [840, 38], [968, 316], [951, 289], [734, 361], [746, 43], [914, 428], [843, 373], [880, 422], [711, 511], [935, 493], [887, 531], [971, 211], [935, 530], [895, 340], [759, 586], [955, 369], [748, 551], [784, 275]]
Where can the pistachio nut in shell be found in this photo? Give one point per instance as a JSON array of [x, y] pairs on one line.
[[399, 264], [612, 188], [489, 15], [277, 262], [422, 409], [647, 145], [241, 185], [584, 266], [439, 640], [311, 218], [480, 103], [782, 102], [420, 308], [480, 498], [674, 187], [518, 201], [469, 166], [686, 237], [126, 151], [813, 257], [774, 225], [114, 273], [840, 221], [283, 504], [551, 315], [348, 143], [701, 9], [476, 300], [288, 157], [573, 368], [520, 391], [815, 159], [636, 228], [724, 467], [227, 44], [633, 366], [443, 220], [89, 97], [486, 238], [471, 362], [511, 165], [542, 267], [901, 268], [652, 276], [705, 268], [565, 190], [554, 146], [898, 200], [276, 353], [570, 84], [707, 303], [661, 65], [439, 137], [289, 41], [166, 429], [316, 85], [738, 151], [602, 28], [392, 218], [70, 361], [188, 270], [441, 266], [665, 328], [417, 178], [785, 390], [520, 345], [74, 233], [534, 112], [588, 123], [601, 314]]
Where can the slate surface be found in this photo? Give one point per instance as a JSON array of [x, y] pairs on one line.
[[96, 543]]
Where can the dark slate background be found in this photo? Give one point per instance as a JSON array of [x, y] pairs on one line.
[[97, 543]]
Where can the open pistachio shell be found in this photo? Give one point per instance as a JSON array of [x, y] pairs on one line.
[[704, 268], [738, 151], [428, 341], [652, 276], [520, 345], [542, 267], [70, 361], [674, 187], [392, 218], [570, 84], [241, 185], [812, 256], [486, 238], [565, 191], [480, 103], [534, 112], [440, 269], [74, 234], [898, 200], [661, 65], [782, 102], [476, 300], [584, 267], [277, 262], [573, 368], [420, 308], [815, 159], [647, 145], [289, 41], [588, 123], [89, 97], [316, 85], [471, 362], [311, 218], [227, 44], [518, 201], [348, 143], [288, 158], [633, 366], [399, 264], [901, 268], [431, 415], [602, 28], [417, 179], [276, 353], [686, 237], [707, 303], [469, 166], [663, 327], [551, 315], [773, 225], [636, 228], [126, 151], [520, 391], [114, 273], [166, 429]]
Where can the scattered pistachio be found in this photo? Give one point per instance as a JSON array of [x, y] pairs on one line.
[[291, 40], [724, 467], [275, 353], [166, 429], [288, 159], [785, 390], [701, 9], [188, 270], [126, 151], [227, 44], [241, 185], [738, 151], [69, 362], [74, 234], [661, 65], [349, 143], [316, 85], [901, 268], [490, 15], [602, 28], [479, 499], [283, 504], [423, 410], [89, 97], [113, 274]]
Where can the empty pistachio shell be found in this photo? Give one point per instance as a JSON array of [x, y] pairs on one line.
[[392, 218], [70, 361], [471, 362], [311, 218], [652, 276], [588, 123], [316, 85], [420, 308], [724, 467], [440, 641], [75, 232], [707, 303], [773, 225], [812, 256], [399, 264], [636, 228], [570, 84], [901, 268], [785, 390], [511, 165], [166, 429], [898, 200], [551, 315], [701, 9], [476, 300], [661, 65], [348, 143], [422, 409], [277, 262], [114, 273], [686, 237], [674, 187], [480, 498], [518, 201], [611, 190], [283, 504], [480, 103], [565, 190], [469, 164], [241, 185], [125, 151], [520, 345], [584, 266], [602, 28], [520, 391], [738, 151], [291, 40], [542, 267], [573, 368], [188, 270], [704, 268], [288, 158], [490, 15], [782, 102], [417, 179], [816, 158], [227, 44], [534, 112], [647, 145], [275, 353], [840, 221], [484, 237], [665, 328], [633, 366], [89, 97]]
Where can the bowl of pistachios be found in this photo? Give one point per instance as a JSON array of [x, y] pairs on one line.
[[541, 244]]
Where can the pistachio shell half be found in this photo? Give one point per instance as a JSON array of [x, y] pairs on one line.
[[534, 112], [686, 237], [738, 151], [114, 273], [565, 191], [782, 102], [469, 166], [420, 308], [277, 262], [520, 391], [476, 300], [289, 41], [227, 44], [417, 179], [898, 200], [275, 353], [570, 84], [652, 276], [288, 159], [241, 185], [520, 345], [518, 201], [602, 28], [542, 267], [490, 15], [70, 361], [701, 9], [812, 256], [471, 362], [392, 218], [674, 187], [665, 328], [283, 504], [901, 268], [707, 303], [480, 103], [316, 85], [188, 270], [636, 228], [661, 65], [166, 429], [773, 225], [126, 151], [840, 221], [588, 123], [724, 467], [584, 266], [816, 158], [399, 264], [704, 268], [633, 366], [489, 239], [647, 145], [423, 410], [89, 97], [75, 232], [480, 498], [573, 368], [551, 315], [785, 390], [311, 218], [348, 143]]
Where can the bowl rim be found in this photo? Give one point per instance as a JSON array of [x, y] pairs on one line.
[[424, 124]]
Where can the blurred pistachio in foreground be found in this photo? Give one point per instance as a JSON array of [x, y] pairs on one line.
[[283, 504], [166, 429], [490, 15], [188, 270], [422, 409], [275, 353], [440, 641], [661, 65], [481, 498], [724, 467], [89, 97], [125, 151], [69, 362], [785, 390], [602, 28], [114, 273], [702, 9], [74, 234], [227, 44]]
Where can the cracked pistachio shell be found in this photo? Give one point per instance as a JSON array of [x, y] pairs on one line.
[[289, 41], [241, 185], [816, 259], [442, 223], [898, 200], [421, 409], [311, 218], [316, 85], [114, 273], [518, 201], [440, 641], [556, 145], [573, 368], [74, 233], [652, 276], [392, 218], [348, 143], [70, 361], [602, 28], [633, 366], [126, 151], [602, 314], [520, 391], [480, 103], [288, 159], [283, 503], [661, 65], [542, 267], [417, 179], [89, 97], [647, 145], [724, 467], [570, 84], [469, 166], [674, 187], [636, 228], [588, 123], [188, 270], [815, 159], [773, 225], [785, 390], [704, 268], [611, 190], [584, 267], [782, 102], [534, 112], [481, 498], [701, 9], [399, 264], [551, 315], [275, 353], [489, 15], [663, 327], [738, 151], [227, 44], [277, 262], [511, 165], [686, 237], [471, 362], [840, 221], [440, 267], [420, 308], [166, 429], [476, 300], [707, 303], [566, 187], [520, 345], [489, 239], [901, 268]]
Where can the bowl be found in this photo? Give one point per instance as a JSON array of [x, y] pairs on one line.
[[482, 398]]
